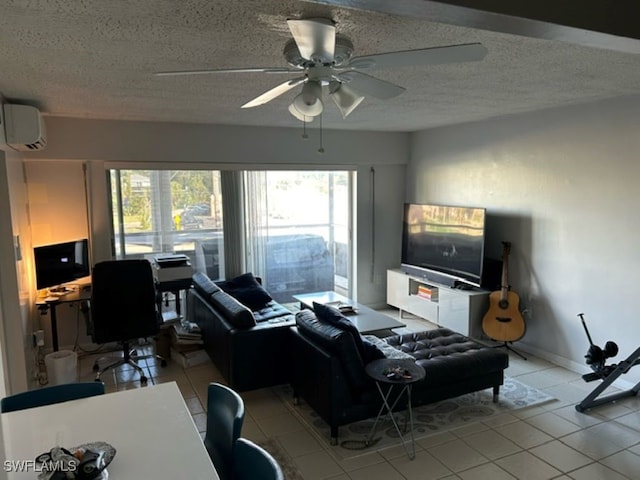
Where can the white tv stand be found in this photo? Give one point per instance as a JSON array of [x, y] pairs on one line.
[[458, 310]]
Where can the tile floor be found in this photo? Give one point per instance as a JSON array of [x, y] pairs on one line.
[[551, 441]]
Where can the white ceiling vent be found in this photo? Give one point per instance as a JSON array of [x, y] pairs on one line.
[[24, 128]]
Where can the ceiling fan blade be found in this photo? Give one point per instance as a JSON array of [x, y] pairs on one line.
[[370, 85], [227, 70], [316, 38], [274, 92], [470, 52]]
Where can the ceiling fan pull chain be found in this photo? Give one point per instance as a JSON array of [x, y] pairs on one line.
[[321, 149]]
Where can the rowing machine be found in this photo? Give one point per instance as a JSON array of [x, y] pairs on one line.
[[596, 358]]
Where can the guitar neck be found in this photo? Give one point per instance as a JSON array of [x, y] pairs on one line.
[[504, 283]]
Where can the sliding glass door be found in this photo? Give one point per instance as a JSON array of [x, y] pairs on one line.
[[298, 230]]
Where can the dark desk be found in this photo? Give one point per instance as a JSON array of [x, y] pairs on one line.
[[84, 294], [50, 304]]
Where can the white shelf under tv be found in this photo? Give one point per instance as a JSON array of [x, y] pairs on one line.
[[458, 310]]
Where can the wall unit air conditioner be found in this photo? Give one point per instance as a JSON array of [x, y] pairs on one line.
[[23, 127]]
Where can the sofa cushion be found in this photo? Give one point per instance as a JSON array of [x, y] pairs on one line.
[[233, 311], [449, 356], [203, 285], [271, 312], [247, 290]]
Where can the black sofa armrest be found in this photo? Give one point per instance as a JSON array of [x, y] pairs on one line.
[[318, 377], [214, 328], [248, 358]]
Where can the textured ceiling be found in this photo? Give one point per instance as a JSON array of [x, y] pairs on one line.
[[96, 59]]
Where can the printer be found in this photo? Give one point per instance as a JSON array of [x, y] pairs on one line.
[[172, 270]]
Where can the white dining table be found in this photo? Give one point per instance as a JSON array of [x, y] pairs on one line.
[[151, 429]]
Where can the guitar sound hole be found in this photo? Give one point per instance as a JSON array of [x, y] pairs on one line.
[[503, 304]]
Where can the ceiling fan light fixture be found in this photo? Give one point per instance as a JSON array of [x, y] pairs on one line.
[[346, 98], [300, 116], [309, 102]]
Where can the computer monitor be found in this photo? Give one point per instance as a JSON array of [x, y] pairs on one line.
[[61, 263]]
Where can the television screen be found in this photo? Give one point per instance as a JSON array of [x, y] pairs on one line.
[[446, 240], [61, 263]]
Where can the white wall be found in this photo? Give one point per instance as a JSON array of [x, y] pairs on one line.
[[116, 141], [16, 300], [378, 225], [5, 231], [561, 185], [58, 213]]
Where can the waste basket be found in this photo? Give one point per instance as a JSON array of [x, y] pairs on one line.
[[62, 367]]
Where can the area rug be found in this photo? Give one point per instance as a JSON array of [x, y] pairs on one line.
[[428, 419], [289, 469]]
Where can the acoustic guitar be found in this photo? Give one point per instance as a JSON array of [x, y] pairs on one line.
[[503, 321]]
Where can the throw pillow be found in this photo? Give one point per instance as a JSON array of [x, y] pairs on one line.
[[388, 351], [332, 316], [247, 290], [370, 351]]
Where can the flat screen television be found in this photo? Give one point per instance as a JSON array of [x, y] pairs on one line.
[[61, 263], [444, 244]]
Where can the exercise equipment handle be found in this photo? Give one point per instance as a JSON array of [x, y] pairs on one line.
[[586, 330]]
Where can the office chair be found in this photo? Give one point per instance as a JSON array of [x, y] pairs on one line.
[[225, 415], [123, 308], [50, 395], [252, 462]]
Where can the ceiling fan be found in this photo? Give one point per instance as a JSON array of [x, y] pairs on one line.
[[324, 58]]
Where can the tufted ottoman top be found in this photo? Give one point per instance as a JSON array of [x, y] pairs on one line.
[[448, 356]]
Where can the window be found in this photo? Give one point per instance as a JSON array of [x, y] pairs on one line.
[[291, 228], [168, 211]]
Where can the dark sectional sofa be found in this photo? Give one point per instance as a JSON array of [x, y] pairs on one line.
[[256, 342]]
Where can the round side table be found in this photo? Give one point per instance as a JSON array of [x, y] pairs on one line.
[[400, 373]]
